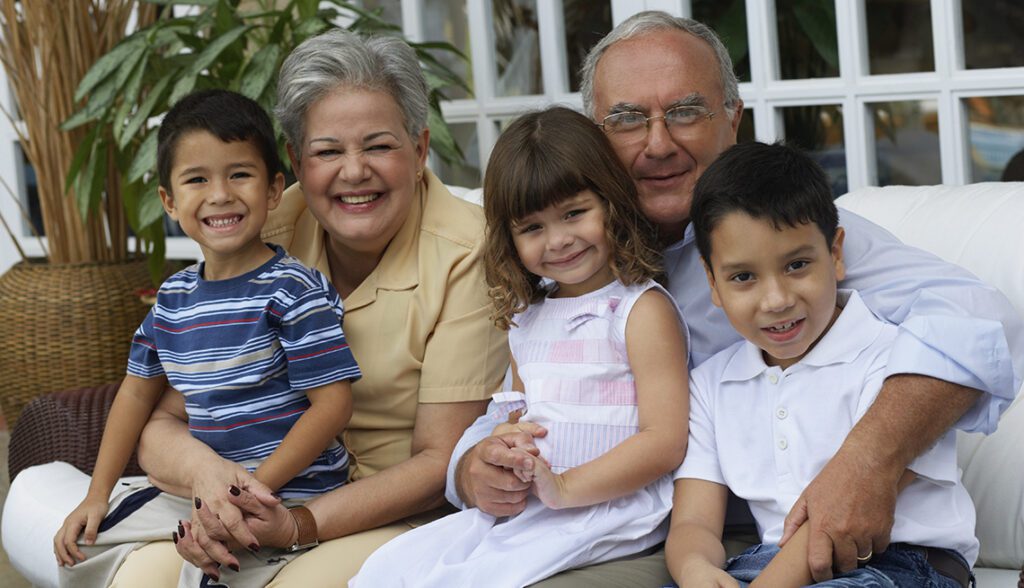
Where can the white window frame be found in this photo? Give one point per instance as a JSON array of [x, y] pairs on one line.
[[765, 94]]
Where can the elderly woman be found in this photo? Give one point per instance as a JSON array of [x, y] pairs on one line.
[[405, 256]]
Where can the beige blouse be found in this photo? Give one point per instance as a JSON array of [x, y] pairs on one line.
[[418, 325]]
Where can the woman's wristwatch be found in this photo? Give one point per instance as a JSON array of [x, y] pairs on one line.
[[306, 525]]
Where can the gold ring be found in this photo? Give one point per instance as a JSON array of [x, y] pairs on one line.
[[865, 558]]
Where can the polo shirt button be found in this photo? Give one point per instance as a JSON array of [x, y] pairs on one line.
[[781, 413], [773, 378], [783, 444]]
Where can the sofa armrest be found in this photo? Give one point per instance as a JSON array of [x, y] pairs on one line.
[[64, 426]]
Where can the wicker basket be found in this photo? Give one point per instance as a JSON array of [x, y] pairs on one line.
[[67, 326]]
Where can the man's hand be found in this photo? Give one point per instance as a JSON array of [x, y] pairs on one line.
[[485, 475], [850, 507]]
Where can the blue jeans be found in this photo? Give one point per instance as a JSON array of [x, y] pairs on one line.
[[895, 568]]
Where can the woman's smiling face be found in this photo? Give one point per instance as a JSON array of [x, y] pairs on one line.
[[358, 167]]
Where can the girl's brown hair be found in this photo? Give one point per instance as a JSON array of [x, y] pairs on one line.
[[541, 159]]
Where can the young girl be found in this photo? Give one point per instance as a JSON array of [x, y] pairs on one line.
[[598, 358]]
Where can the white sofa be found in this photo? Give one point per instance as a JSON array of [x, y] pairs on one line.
[[981, 228]]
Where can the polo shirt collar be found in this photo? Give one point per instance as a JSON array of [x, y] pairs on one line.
[[855, 330]]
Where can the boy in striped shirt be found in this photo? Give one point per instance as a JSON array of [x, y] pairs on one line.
[[250, 340]]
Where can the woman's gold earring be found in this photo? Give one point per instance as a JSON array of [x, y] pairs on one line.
[[419, 175]]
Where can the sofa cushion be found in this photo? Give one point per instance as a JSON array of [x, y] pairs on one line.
[[981, 228]]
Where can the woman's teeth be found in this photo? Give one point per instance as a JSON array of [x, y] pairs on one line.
[[362, 199]]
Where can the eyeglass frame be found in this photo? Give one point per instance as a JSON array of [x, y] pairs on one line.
[[708, 114]]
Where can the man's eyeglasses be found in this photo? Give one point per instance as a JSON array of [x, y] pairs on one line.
[[631, 125]]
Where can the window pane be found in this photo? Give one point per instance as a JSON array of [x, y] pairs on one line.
[[517, 48], [899, 36], [818, 130], [585, 23], [466, 174], [996, 135], [907, 143], [29, 195], [992, 33], [728, 18], [390, 10], [746, 131], [445, 20], [807, 39]]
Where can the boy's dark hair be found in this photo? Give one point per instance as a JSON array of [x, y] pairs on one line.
[[777, 183], [227, 115]]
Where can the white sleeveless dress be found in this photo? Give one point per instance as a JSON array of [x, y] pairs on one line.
[[571, 357]]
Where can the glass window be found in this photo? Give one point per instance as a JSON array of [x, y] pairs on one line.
[[445, 20], [746, 131], [907, 143], [808, 47], [992, 33], [517, 48], [29, 195], [996, 135], [390, 10], [899, 36], [728, 18], [818, 130], [585, 24], [466, 174]]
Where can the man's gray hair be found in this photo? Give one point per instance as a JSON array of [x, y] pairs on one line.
[[340, 58], [656, 20]]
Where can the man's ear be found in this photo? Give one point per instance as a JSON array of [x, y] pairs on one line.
[[711, 283], [275, 190], [736, 118], [167, 200], [837, 253]]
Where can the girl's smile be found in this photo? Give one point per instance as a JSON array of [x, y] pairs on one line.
[[567, 242]]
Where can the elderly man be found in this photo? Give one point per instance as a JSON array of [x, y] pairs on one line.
[[951, 364]]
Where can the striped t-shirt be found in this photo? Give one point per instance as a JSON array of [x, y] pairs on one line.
[[242, 351]]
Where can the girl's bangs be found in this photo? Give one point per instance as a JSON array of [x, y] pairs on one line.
[[543, 180]]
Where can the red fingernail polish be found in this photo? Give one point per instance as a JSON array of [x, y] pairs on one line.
[[233, 567], [199, 503], [234, 490], [254, 547], [181, 530], [174, 537]]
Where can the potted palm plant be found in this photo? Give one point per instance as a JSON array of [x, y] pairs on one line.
[[66, 314], [105, 180]]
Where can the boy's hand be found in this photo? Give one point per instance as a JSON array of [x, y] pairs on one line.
[[87, 515], [701, 574]]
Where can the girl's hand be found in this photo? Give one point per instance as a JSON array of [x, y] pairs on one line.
[[87, 515], [548, 486]]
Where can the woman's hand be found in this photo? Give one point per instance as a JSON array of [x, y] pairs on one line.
[[263, 517]]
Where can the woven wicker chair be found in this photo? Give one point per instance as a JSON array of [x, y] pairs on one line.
[[64, 426]]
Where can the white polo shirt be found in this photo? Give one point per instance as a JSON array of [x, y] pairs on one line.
[[766, 432]]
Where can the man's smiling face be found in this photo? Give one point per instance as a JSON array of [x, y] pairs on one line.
[[652, 73]]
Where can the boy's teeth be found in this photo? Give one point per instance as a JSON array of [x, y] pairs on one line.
[[359, 199], [782, 327], [222, 222]]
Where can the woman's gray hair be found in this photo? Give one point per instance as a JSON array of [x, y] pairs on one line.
[[656, 20], [339, 58]]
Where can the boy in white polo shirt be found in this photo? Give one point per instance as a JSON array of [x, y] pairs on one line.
[[768, 413]]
